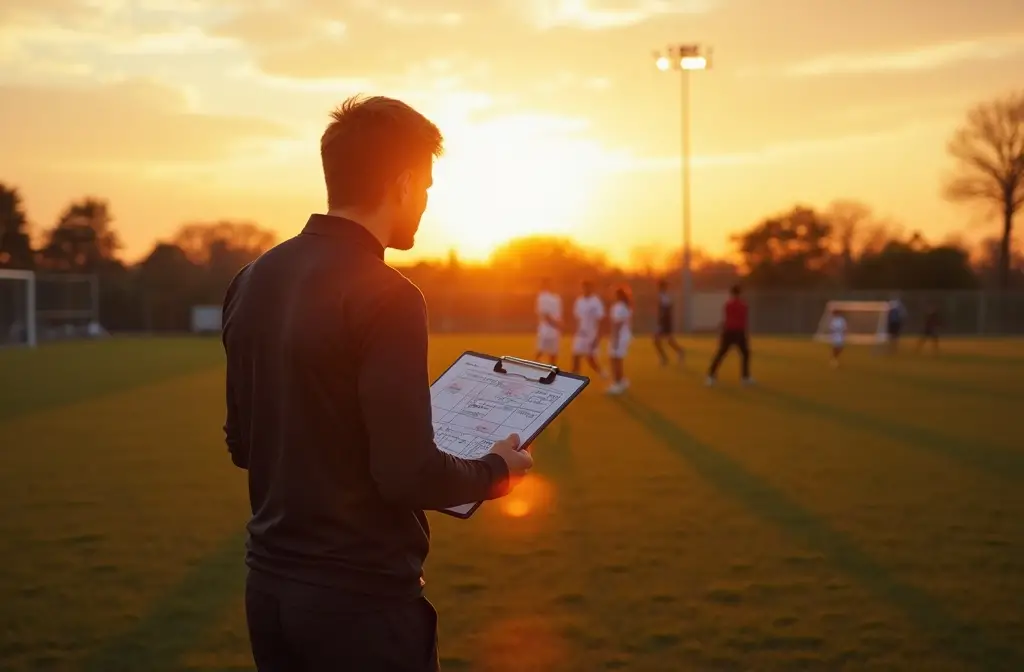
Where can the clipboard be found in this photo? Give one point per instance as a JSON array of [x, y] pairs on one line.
[[481, 399]]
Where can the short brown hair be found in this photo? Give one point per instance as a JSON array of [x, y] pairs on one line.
[[368, 143]]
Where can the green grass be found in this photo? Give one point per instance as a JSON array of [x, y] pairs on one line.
[[866, 518]]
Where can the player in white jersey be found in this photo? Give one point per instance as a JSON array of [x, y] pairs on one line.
[[589, 312], [621, 333], [549, 322], [837, 332]]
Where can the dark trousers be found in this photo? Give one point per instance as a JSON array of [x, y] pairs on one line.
[[727, 340], [295, 628]]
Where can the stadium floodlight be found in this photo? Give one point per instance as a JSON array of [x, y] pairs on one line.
[[866, 322], [17, 308], [685, 58]]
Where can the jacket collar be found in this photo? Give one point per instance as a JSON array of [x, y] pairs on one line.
[[345, 230]]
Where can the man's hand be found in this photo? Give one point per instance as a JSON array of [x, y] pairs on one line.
[[518, 461]]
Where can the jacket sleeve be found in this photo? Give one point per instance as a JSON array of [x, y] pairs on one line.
[[234, 434], [394, 398]]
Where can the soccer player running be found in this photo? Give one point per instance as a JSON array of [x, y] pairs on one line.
[[932, 322], [621, 317], [549, 327], [664, 330], [588, 311], [837, 330], [734, 333]]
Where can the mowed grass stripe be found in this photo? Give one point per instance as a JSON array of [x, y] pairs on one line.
[[927, 519], [633, 556], [907, 367], [67, 373], [773, 505], [690, 575], [995, 381], [921, 414], [107, 505], [180, 618]]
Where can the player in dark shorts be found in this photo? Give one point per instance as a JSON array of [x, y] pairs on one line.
[[932, 322], [894, 323], [663, 332], [735, 321]]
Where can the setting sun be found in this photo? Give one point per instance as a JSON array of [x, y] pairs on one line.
[[509, 178]]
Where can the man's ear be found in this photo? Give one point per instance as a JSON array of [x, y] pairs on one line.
[[403, 186]]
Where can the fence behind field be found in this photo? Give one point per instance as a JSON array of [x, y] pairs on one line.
[[482, 310]]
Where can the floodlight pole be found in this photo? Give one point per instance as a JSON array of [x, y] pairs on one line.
[[687, 269], [684, 58]]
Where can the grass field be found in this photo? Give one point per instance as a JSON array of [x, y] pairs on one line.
[[866, 518]]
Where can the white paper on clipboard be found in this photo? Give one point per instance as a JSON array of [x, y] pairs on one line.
[[473, 406]]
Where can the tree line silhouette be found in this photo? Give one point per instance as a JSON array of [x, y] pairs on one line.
[[844, 246]]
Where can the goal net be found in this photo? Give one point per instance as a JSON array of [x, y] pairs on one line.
[[865, 321], [17, 301], [37, 307], [67, 306]]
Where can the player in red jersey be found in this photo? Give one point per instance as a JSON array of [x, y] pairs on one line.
[[734, 333]]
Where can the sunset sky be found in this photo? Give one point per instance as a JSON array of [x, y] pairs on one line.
[[555, 118]]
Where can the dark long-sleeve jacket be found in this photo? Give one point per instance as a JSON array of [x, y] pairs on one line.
[[328, 409]]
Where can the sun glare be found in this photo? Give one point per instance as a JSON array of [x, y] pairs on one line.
[[496, 183], [533, 494]]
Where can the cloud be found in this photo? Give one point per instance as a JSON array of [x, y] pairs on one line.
[[19, 11], [929, 57], [67, 41], [412, 13], [330, 39], [597, 15], [270, 28], [131, 122], [774, 152], [23, 41]]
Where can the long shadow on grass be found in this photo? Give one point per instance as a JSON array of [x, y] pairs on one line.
[[1000, 361], [180, 619], [68, 373], [920, 382], [761, 499], [604, 626], [977, 455], [554, 457]]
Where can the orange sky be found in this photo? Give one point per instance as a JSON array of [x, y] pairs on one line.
[[556, 119]]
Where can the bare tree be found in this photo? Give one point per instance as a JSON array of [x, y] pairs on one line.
[[989, 151], [849, 220]]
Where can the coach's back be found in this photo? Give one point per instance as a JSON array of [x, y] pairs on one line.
[[328, 408], [297, 327]]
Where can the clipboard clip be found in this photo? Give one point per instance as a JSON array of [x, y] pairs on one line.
[[548, 372]]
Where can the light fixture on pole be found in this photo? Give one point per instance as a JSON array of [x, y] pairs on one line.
[[685, 58]]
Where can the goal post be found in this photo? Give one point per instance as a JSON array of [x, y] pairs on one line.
[[865, 322], [18, 308]]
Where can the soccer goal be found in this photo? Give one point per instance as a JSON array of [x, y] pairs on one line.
[[67, 306], [37, 307], [865, 322], [17, 308]]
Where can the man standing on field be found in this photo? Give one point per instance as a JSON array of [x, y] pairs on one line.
[[328, 410], [734, 333]]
